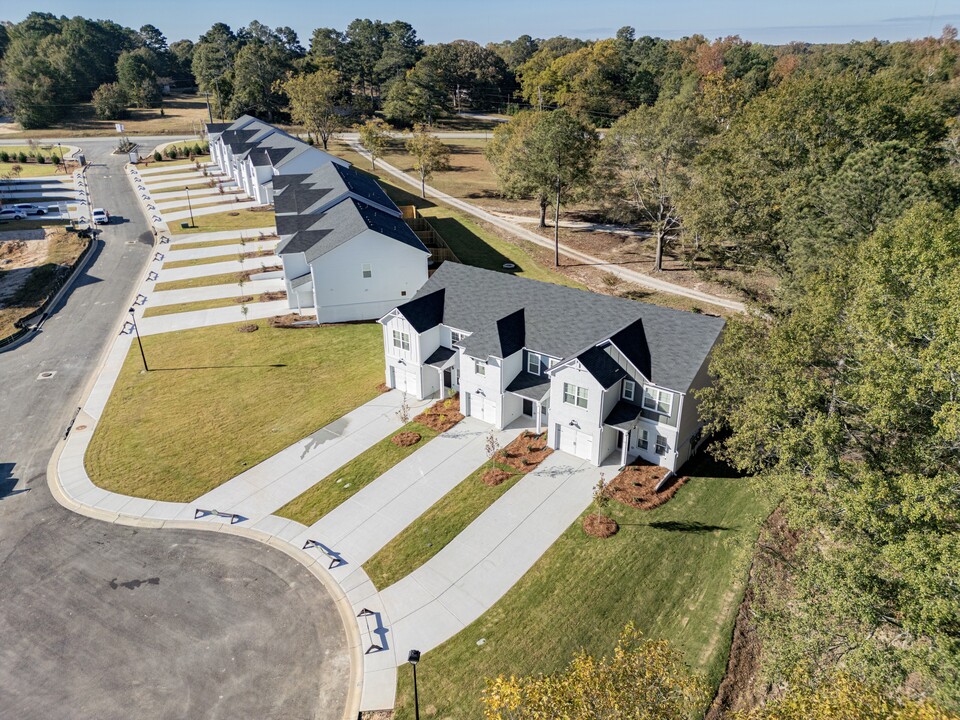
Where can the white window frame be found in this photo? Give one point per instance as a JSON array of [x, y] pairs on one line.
[[656, 400], [401, 340], [479, 367], [575, 395], [531, 359], [661, 448], [366, 271], [643, 439], [456, 336], [629, 390]]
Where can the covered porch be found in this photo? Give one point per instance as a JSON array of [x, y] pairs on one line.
[[534, 394]]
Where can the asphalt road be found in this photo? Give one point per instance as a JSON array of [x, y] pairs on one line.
[[105, 621]]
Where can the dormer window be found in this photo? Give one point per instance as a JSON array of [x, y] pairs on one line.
[[479, 367], [629, 390], [456, 336]]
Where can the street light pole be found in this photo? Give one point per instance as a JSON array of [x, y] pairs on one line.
[[133, 319], [413, 658], [189, 206]]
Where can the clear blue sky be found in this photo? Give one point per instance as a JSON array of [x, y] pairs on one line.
[[772, 21]]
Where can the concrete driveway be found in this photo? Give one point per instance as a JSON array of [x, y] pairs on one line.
[[105, 621]]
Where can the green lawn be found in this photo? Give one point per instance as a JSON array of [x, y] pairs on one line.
[[352, 477], [222, 279], [677, 571], [29, 170], [216, 402], [433, 530], [202, 201], [193, 262], [213, 243], [197, 305], [171, 166], [244, 219], [178, 188]]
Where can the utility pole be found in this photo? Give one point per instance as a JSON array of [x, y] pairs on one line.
[[540, 98], [209, 111]]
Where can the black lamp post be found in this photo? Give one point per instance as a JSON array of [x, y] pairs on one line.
[[413, 658], [133, 319], [189, 206]]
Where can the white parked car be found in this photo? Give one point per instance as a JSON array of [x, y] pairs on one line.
[[100, 216], [7, 214], [28, 209]]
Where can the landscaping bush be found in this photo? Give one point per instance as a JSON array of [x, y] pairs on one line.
[[4, 156], [22, 157], [41, 159], [197, 150], [171, 153], [157, 157]]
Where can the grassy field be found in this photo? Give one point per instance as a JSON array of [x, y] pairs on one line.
[[183, 114], [63, 249], [221, 279], [433, 530], [208, 409], [352, 477], [677, 571], [244, 219], [468, 240], [197, 305], [28, 170]]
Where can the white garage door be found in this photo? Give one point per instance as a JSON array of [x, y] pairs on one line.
[[405, 381], [575, 442], [483, 409]]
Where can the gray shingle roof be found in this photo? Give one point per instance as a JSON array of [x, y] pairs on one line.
[[316, 235], [530, 386], [300, 193], [624, 415], [564, 322], [604, 368]]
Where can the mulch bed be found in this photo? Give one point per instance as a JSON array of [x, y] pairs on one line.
[[273, 295], [257, 254], [600, 526], [405, 439], [635, 486], [442, 415], [383, 388], [526, 452], [495, 477], [244, 299], [289, 321], [248, 328]]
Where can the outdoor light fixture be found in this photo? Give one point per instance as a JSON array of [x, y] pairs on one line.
[[133, 319], [189, 206], [413, 658]]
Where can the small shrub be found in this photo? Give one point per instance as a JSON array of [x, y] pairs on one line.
[[171, 153], [205, 148], [41, 159], [4, 156], [197, 150], [157, 157], [22, 158]]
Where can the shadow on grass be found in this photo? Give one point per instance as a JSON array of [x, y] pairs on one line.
[[688, 526], [470, 247], [216, 367]]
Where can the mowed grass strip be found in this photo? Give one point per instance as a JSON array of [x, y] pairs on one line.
[[193, 262], [177, 188], [212, 243], [231, 278], [198, 305], [678, 572], [352, 477], [202, 201], [216, 402], [433, 531], [244, 219]]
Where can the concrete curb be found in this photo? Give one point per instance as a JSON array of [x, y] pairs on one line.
[[355, 684]]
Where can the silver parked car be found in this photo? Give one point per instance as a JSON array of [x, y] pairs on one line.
[[28, 209], [7, 214]]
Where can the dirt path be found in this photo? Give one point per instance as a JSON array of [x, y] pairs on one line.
[[576, 225]]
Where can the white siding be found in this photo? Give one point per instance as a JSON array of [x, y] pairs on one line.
[[588, 420], [343, 294], [487, 385]]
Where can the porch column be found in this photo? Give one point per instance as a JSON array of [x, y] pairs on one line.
[[536, 411], [623, 450]]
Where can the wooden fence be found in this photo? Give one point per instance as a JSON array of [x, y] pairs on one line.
[[439, 250]]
